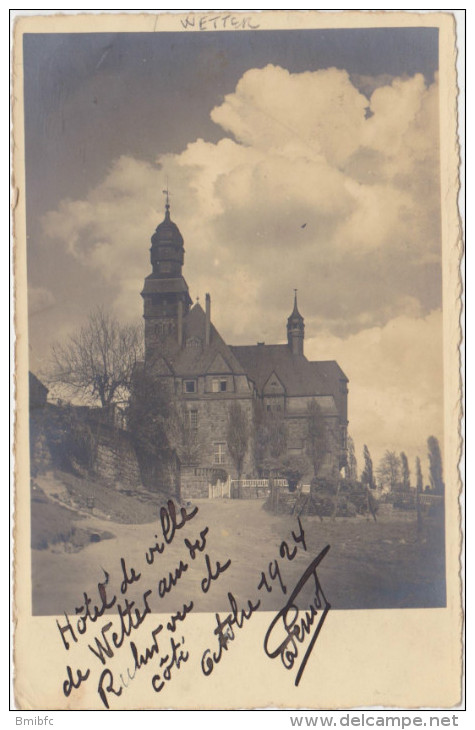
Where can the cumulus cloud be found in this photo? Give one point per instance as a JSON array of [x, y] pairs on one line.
[[396, 381], [314, 185], [300, 151]]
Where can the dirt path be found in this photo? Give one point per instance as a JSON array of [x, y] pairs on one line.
[[369, 565]]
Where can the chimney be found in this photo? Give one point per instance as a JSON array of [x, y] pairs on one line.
[[180, 323], [208, 319]]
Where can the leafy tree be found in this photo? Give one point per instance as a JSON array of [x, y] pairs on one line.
[[269, 439], [367, 476], [293, 468], [317, 437], [389, 470], [237, 435], [435, 465], [276, 434], [259, 437], [149, 412], [352, 463], [405, 473], [70, 438], [419, 488], [97, 362], [419, 481]]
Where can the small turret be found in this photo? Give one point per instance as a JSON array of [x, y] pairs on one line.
[[295, 329]]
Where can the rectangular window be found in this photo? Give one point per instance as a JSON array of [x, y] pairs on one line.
[[193, 419], [220, 385], [189, 386], [220, 453]]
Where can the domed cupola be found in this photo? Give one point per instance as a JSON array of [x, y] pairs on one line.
[[167, 253], [165, 292], [295, 329]]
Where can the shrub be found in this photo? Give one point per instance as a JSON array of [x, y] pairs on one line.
[[70, 439]]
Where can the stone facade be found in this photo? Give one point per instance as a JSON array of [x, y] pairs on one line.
[[116, 463], [184, 349], [212, 414]]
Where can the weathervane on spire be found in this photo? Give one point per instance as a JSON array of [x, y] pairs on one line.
[[167, 193]]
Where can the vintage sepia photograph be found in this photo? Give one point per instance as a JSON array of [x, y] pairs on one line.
[[234, 269]]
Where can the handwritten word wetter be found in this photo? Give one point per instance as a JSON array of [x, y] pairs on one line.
[[219, 22]]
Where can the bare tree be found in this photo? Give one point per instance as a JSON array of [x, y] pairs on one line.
[[316, 442], [405, 473], [183, 434], [435, 465], [389, 470], [237, 435], [97, 362]]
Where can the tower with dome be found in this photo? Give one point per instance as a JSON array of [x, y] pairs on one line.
[[206, 375]]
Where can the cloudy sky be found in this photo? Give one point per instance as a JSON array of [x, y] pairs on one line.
[[296, 159]]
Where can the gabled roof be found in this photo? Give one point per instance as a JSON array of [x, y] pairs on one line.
[[189, 361], [273, 384], [298, 376], [219, 365]]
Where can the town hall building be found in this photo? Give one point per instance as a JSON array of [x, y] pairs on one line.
[[206, 375]]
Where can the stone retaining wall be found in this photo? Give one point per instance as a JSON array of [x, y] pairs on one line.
[[116, 462]]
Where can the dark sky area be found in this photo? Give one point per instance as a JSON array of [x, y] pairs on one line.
[[92, 97]]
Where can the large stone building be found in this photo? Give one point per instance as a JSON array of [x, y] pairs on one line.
[[207, 375]]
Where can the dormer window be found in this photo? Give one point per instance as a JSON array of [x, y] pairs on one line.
[[189, 386], [219, 385], [193, 342]]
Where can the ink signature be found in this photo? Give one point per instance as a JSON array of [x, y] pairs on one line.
[[293, 624]]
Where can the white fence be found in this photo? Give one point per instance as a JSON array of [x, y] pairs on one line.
[[253, 488], [245, 488], [219, 490]]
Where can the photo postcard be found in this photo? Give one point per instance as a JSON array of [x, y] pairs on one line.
[[237, 299]]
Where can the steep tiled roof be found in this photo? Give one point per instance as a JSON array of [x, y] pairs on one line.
[[197, 360], [296, 373]]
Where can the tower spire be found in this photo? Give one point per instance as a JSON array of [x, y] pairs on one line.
[[295, 329], [296, 311], [167, 203], [165, 293]]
